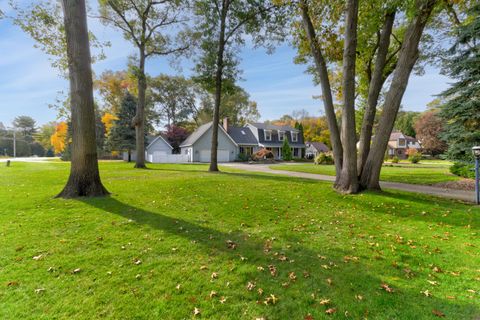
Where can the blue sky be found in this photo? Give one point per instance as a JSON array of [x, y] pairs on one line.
[[28, 84]]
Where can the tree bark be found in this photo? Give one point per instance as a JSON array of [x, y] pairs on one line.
[[84, 179], [407, 57], [348, 182], [322, 71], [375, 86], [139, 120], [218, 87]]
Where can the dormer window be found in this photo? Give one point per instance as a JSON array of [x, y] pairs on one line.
[[268, 135], [281, 135], [401, 142], [294, 136]]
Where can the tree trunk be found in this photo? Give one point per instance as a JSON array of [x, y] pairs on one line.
[[84, 179], [129, 156], [139, 120], [407, 57], [348, 182], [322, 71], [375, 86], [218, 88]]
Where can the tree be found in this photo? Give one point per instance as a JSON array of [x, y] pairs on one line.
[[25, 125], [377, 58], [175, 136], [111, 86], [405, 122], [461, 112], [44, 134], [286, 150], [223, 25], [235, 105], [59, 138], [175, 97], [429, 127], [84, 179], [149, 26], [122, 132]]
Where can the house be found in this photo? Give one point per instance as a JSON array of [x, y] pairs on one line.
[[156, 149], [399, 143], [313, 149], [241, 142]]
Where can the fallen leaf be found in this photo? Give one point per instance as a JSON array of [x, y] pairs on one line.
[[273, 270], [330, 311], [387, 288], [213, 294], [251, 286], [214, 275], [308, 317], [76, 270], [359, 297], [203, 267], [231, 245], [12, 283], [39, 290], [39, 257], [223, 300], [260, 291], [292, 276], [324, 302], [329, 281], [426, 293], [137, 261], [438, 313], [271, 300], [196, 311]]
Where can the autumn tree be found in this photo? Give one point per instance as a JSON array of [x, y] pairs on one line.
[[152, 27], [84, 179], [224, 25], [111, 87], [428, 128], [44, 134], [175, 136], [59, 137]]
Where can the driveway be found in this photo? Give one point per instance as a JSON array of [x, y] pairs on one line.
[[467, 196]]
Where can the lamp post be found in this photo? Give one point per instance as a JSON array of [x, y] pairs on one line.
[[476, 154]]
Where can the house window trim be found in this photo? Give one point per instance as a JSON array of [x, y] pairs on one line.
[[282, 134], [265, 135], [294, 134]]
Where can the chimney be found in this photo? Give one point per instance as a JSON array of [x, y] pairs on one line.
[[225, 124]]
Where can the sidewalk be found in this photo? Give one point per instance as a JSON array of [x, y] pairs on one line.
[[467, 196]]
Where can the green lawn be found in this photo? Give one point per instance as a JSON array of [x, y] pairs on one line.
[[158, 248], [407, 173]]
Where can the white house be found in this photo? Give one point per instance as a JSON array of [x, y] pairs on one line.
[[157, 150]]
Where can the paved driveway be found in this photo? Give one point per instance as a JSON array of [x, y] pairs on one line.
[[467, 196]]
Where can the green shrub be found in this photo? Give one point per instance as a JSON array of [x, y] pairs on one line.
[[286, 150], [463, 169], [415, 158], [243, 157], [324, 158], [395, 160]]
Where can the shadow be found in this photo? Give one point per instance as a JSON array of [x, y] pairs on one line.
[[303, 259]]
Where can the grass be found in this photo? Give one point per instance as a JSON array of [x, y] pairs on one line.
[[150, 250], [406, 173]]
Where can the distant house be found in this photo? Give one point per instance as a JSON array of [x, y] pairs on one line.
[[156, 150], [399, 143], [315, 148], [234, 142]]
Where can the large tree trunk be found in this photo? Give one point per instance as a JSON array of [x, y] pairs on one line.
[[407, 57], [375, 86], [348, 182], [84, 179], [322, 71], [218, 87], [139, 120]]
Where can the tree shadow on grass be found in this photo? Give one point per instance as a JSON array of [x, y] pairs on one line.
[[348, 279]]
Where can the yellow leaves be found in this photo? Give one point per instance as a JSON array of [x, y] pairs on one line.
[[59, 137], [330, 311], [324, 302], [108, 120], [214, 276], [426, 293], [270, 300], [196, 311], [212, 294], [77, 270], [251, 285]]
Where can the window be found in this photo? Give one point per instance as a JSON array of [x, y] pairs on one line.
[[401, 142], [294, 136], [268, 135], [281, 135]]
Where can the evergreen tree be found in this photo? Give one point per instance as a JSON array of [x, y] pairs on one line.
[[462, 109], [286, 150], [122, 134]]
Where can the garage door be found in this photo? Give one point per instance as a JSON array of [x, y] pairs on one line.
[[222, 155]]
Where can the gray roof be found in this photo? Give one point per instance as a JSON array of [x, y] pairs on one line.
[[267, 126], [319, 146], [242, 135], [196, 134], [152, 139]]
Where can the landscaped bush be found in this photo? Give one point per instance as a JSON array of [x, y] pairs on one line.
[[324, 158], [263, 154], [463, 169], [395, 160], [243, 157], [414, 156]]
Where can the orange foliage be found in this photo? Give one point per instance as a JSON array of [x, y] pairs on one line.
[[59, 137]]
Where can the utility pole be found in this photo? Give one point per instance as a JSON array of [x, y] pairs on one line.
[[14, 142]]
